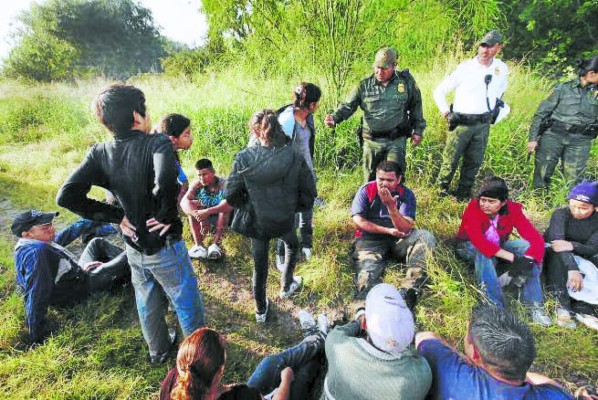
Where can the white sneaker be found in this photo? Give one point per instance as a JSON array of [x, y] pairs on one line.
[[307, 322], [306, 253], [539, 316], [261, 318], [323, 324], [214, 252], [297, 282], [198, 251], [588, 320], [563, 318]]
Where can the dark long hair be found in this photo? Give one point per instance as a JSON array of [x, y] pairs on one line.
[[306, 94], [173, 125], [266, 121], [201, 356]]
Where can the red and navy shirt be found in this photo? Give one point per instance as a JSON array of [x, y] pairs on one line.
[[368, 204]]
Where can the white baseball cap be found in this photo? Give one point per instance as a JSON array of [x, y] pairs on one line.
[[389, 321]]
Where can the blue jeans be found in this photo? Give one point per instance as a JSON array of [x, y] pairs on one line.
[[304, 361], [167, 272], [486, 277]]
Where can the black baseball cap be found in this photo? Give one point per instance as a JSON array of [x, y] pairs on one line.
[[27, 219]]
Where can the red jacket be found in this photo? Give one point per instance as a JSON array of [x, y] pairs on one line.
[[474, 223]]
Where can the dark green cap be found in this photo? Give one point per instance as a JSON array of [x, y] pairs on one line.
[[493, 37], [385, 57]]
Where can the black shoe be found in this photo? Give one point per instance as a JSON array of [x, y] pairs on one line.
[[411, 296]]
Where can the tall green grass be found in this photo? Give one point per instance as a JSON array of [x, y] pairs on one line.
[[97, 350]]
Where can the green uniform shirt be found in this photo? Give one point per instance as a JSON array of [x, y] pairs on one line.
[[569, 103], [385, 107]]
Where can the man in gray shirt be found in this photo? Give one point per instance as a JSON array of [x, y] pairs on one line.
[[369, 358]]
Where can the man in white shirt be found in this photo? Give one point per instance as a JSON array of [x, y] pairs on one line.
[[479, 83]]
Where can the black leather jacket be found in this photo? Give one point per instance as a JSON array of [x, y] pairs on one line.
[[268, 186], [140, 170]]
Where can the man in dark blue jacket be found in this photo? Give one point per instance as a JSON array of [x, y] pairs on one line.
[[49, 274]]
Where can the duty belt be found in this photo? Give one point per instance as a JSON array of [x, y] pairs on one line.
[[391, 134], [571, 128], [472, 119]]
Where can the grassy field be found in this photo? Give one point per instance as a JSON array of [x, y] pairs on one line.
[[97, 350]]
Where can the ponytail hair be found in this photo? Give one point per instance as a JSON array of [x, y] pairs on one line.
[[200, 357], [306, 94], [588, 65], [172, 125], [266, 122]]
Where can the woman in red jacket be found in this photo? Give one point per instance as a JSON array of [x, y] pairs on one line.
[[486, 224]]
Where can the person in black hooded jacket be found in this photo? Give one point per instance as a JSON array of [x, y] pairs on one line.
[[268, 184]]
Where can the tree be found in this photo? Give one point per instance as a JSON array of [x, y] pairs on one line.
[[553, 33], [115, 38]]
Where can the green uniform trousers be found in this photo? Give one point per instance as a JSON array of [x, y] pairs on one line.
[[572, 148], [470, 143], [381, 149], [370, 258]]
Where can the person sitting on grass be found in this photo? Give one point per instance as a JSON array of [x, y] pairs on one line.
[[384, 213], [49, 274], [205, 192], [370, 358], [572, 257], [178, 129], [290, 374], [499, 350], [487, 223]]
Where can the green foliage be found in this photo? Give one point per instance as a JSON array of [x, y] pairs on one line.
[[42, 57], [114, 38], [552, 34], [337, 39]]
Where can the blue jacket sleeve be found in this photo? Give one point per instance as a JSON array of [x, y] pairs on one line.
[[39, 266]]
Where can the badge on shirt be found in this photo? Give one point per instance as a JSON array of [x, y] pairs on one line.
[[596, 94], [496, 71], [401, 88]]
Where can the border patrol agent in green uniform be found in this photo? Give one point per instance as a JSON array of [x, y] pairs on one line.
[[564, 126], [392, 111]]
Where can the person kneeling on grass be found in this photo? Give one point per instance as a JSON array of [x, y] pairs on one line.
[[572, 257], [499, 350], [290, 374], [369, 358], [486, 224], [268, 184], [206, 192], [49, 274]]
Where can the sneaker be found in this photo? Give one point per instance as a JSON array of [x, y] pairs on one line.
[[323, 324], [214, 252], [563, 318], [198, 251], [261, 318], [307, 322], [539, 316], [588, 320], [172, 336], [306, 253], [280, 262], [297, 281]]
